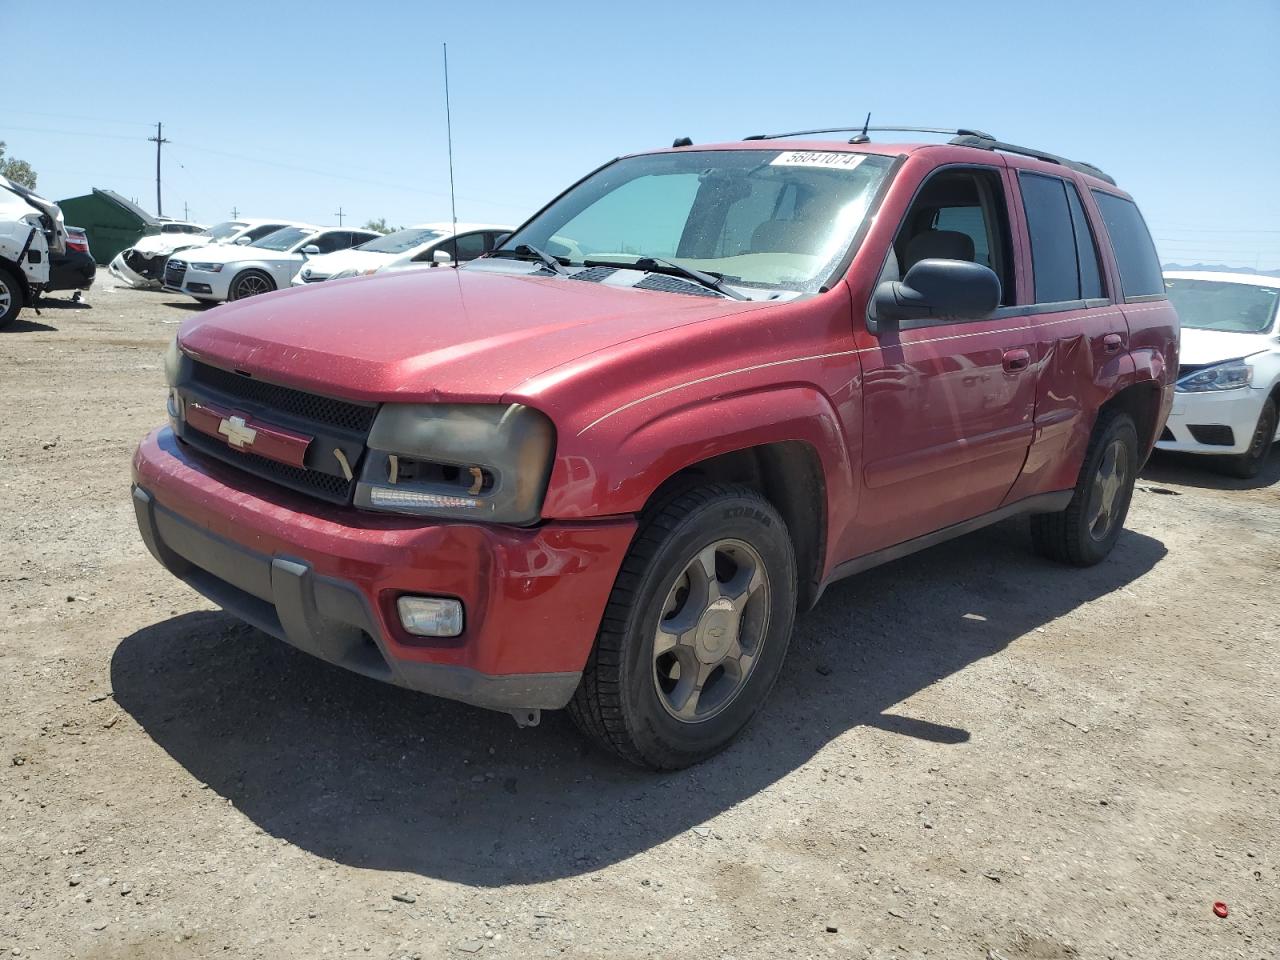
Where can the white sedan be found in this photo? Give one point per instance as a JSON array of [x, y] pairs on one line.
[[423, 245], [1228, 390], [142, 265], [234, 271]]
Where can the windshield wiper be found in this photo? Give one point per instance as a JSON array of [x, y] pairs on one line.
[[658, 265], [527, 251]]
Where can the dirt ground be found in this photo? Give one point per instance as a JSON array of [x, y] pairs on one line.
[[972, 753]]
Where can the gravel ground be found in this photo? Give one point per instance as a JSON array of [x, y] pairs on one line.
[[972, 753]]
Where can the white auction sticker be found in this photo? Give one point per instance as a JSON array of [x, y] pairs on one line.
[[817, 158]]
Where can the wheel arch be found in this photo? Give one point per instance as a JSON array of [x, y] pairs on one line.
[[15, 269], [1142, 402], [786, 443]]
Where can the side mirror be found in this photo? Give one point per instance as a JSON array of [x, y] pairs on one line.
[[940, 290], [441, 256], [243, 241], [310, 250], [500, 239]]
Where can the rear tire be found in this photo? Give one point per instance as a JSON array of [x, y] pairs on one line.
[[1247, 465], [695, 631], [1084, 533], [12, 299], [250, 283]]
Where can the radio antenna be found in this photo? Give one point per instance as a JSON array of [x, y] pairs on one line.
[[448, 121], [862, 137]]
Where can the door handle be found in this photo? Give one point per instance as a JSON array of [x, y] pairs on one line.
[[1015, 360], [1112, 342]]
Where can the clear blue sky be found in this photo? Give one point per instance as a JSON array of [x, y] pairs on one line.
[[296, 109]]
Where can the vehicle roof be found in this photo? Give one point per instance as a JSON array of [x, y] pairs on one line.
[[447, 226], [1224, 276], [964, 153]]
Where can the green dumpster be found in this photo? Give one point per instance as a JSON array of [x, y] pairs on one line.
[[112, 222]]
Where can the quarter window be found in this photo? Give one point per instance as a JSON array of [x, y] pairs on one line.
[[1131, 240]]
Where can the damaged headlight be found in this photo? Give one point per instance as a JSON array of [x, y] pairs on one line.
[[487, 462], [1223, 376], [173, 361]]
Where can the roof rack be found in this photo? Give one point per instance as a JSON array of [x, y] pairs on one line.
[[861, 129], [959, 138], [982, 141]]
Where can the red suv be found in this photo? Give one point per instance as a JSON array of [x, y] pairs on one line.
[[603, 467]]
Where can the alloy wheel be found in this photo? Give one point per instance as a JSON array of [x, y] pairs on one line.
[[711, 631], [251, 286], [1108, 489], [6, 297]]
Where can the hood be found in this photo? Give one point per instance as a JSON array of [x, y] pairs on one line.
[[433, 335], [328, 264], [231, 253], [1202, 347], [162, 243]]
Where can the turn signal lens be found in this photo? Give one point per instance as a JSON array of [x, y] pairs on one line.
[[430, 616]]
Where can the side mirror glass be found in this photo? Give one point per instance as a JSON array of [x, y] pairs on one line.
[[940, 290], [500, 239], [310, 250]]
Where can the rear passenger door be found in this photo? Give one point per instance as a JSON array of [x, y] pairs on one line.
[[1080, 332]]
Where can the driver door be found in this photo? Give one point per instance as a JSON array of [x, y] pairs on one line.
[[948, 406]]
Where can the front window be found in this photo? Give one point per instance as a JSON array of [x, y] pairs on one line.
[[1222, 305], [402, 241], [755, 218], [283, 239], [221, 231]]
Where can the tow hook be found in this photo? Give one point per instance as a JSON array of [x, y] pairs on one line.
[[527, 718]]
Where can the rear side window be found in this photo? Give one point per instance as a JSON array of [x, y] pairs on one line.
[[1053, 239], [1135, 253], [1086, 247]]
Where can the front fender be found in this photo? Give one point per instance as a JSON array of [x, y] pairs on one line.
[[615, 466]]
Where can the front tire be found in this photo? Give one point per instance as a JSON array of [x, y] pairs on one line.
[[250, 283], [695, 631], [1248, 465], [12, 299], [1085, 532]]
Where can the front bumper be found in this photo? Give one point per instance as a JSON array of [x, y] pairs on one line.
[[325, 579], [204, 285], [1236, 410]]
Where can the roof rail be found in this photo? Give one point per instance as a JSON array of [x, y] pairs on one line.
[[862, 129], [971, 138]]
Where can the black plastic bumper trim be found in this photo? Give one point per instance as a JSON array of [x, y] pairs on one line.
[[323, 616]]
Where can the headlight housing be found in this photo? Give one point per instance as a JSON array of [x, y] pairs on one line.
[[207, 267], [486, 462], [351, 272], [173, 359], [1231, 375]]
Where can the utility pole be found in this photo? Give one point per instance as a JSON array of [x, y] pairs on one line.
[[234, 213], [339, 215], [159, 140], [186, 211]]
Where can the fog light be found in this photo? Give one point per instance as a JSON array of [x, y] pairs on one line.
[[430, 616]]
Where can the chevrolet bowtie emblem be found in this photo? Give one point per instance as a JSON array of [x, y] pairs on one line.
[[238, 433]]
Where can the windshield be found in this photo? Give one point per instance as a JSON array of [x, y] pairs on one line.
[[220, 230], [401, 241], [1222, 305], [283, 239], [773, 218]]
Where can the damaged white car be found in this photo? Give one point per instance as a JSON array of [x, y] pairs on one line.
[[31, 230], [142, 265]]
